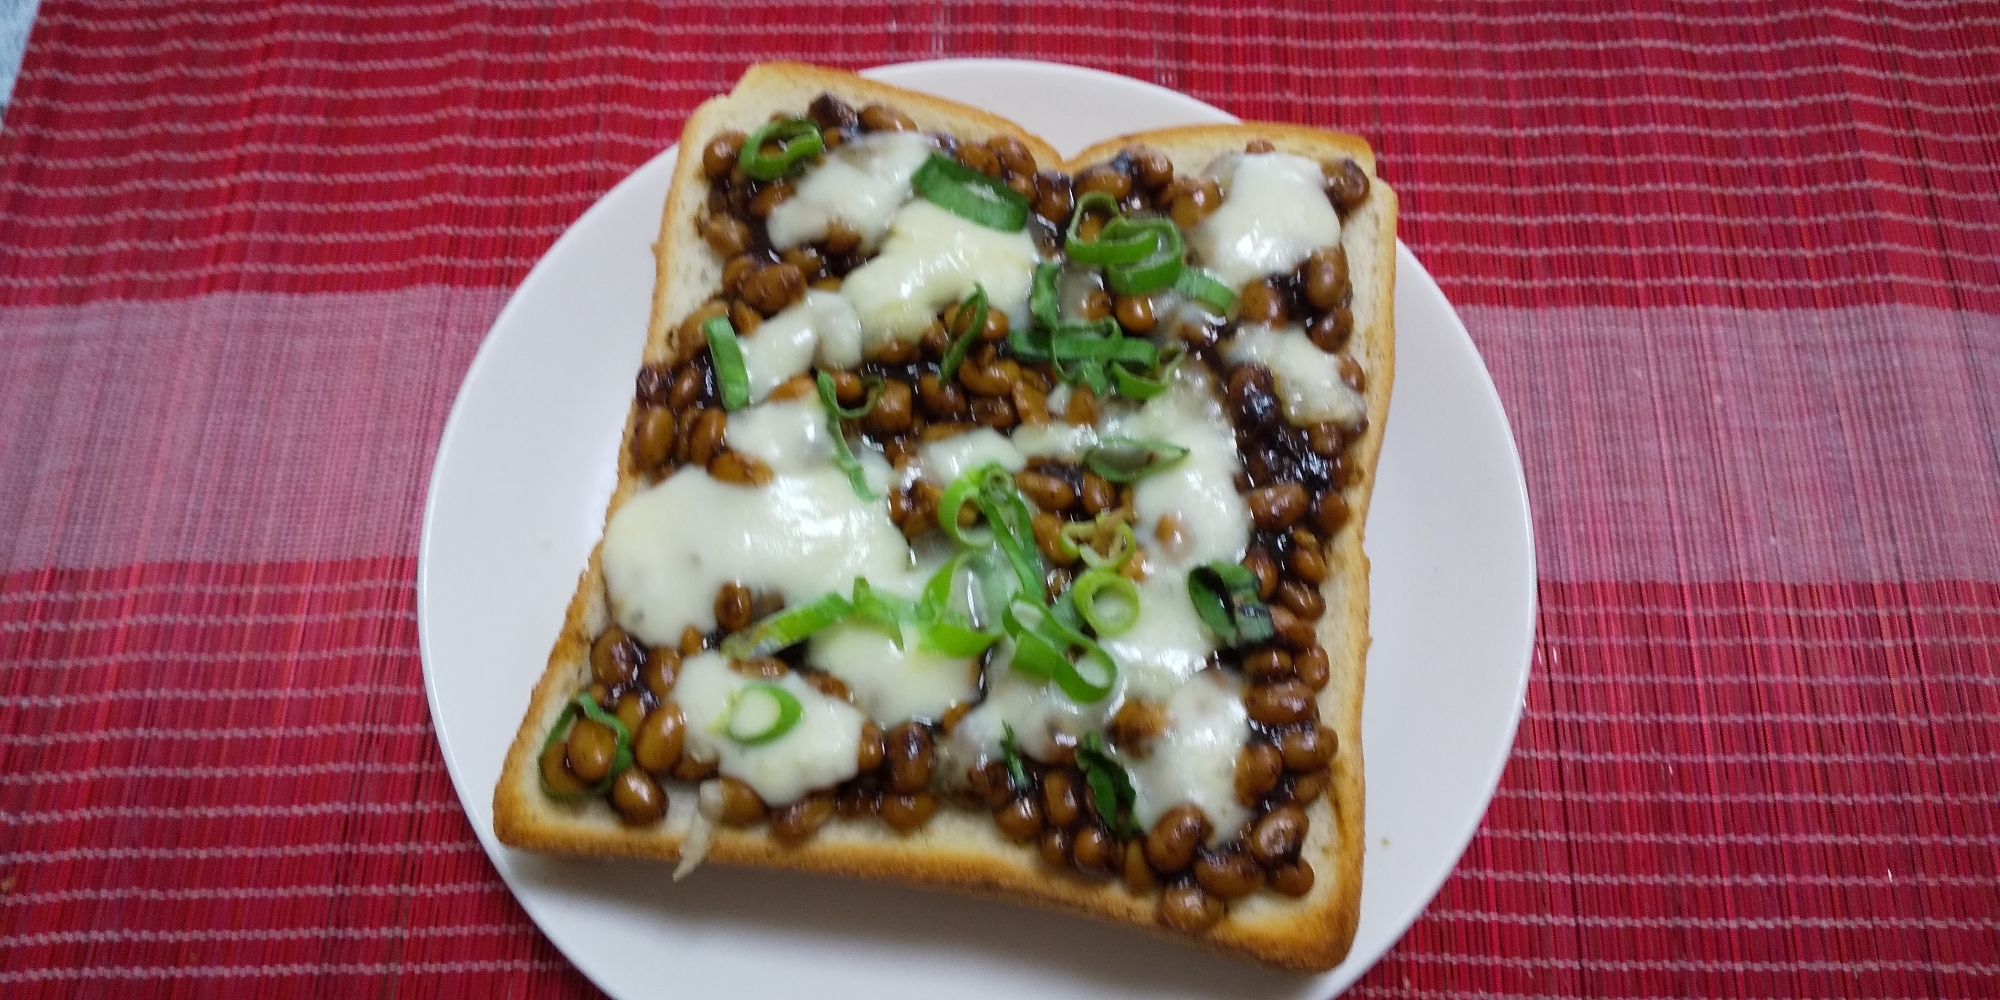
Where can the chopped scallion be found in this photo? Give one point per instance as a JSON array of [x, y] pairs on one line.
[[843, 456], [1123, 459], [1159, 269], [970, 195], [1108, 601], [972, 316], [798, 138], [786, 628], [727, 355], [1225, 596], [583, 704], [760, 713], [1111, 793], [1198, 286]]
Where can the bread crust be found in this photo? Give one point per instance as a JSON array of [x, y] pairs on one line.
[[961, 850]]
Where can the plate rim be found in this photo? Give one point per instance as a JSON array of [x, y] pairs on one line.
[[1339, 978]]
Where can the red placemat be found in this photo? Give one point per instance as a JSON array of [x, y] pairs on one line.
[[1735, 268]]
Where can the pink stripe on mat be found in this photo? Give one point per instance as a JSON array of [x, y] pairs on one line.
[[1715, 444], [227, 426]]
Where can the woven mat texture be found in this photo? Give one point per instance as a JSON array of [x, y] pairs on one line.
[[1735, 269]]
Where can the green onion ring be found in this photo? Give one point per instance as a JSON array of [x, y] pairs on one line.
[[785, 707], [873, 386], [1123, 459], [1123, 544], [1136, 387], [583, 704], [949, 638], [843, 456], [1041, 649], [962, 491], [1029, 345], [1042, 300], [1098, 584], [1197, 285], [1007, 513], [727, 356], [787, 628], [1132, 385], [1113, 349], [799, 139], [970, 195], [883, 612], [1114, 244], [1158, 270], [962, 342], [1225, 596]]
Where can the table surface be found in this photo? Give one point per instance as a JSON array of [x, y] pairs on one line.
[[1735, 269]]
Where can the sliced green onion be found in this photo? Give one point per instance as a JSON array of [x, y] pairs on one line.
[[1017, 773], [583, 704], [1197, 285], [1042, 300], [1042, 646], [944, 628], [1111, 793], [843, 456], [962, 342], [1123, 545], [885, 613], [761, 712], [786, 628], [727, 355], [1123, 459], [1108, 349], [798, 138], [1013, 524], [1108, 601], [1136, 387], [970, 195], [1115, 244], [964, 490], [1029, 345], [873, 385], [950, 638], [1159, 269], [1225, 596], [1132, 385]]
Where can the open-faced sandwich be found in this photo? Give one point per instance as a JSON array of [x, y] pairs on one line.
[[989, 521]]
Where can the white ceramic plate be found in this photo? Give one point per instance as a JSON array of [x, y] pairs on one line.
[[517, 497]]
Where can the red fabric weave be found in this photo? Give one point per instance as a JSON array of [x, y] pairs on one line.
[[1736, 269]]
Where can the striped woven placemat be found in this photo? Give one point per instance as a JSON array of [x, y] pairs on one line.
[[1735, 269]]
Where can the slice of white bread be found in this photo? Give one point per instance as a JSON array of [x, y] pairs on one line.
[[962, 849]]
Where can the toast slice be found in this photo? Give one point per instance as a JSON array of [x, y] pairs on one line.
[[945, 833]]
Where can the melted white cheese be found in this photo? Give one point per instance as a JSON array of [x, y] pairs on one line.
[[1036, 709], [819, 752], [941, 462], [789, 436], [892, 684], [1274, 214], [671, 547], [862, 184], [1055, 439], [1308, 379], [821, 325], [1194, 761], [1169, 643], [932, 259]]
